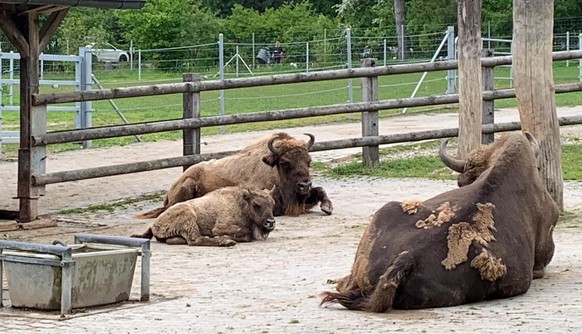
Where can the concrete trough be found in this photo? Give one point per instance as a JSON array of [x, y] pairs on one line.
[[96, 270]]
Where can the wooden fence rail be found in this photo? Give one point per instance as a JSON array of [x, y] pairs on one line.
[[33, 176], [144, 166]]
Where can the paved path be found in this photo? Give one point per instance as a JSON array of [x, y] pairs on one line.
[[89, 192]]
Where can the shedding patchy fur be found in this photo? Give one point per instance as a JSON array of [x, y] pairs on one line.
[[458, 241], [444, 214], [490, 267], [461, 235], [410, 206]]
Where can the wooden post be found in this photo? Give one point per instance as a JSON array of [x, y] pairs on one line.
[[489, 105], [191, 110], [29, 61], [533, 23], [470, 84], [371, 154]]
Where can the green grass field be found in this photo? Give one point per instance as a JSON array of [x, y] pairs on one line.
[[249, 100]]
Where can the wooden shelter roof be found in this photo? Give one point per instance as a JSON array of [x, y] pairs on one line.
[[51, 5]]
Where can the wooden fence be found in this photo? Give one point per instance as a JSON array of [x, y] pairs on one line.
[[192, 122]]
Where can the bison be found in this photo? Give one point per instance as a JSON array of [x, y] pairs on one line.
[[486, 239], [278, 161], [220, 218]]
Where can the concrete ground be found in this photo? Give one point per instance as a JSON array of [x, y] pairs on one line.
[[273, 286]]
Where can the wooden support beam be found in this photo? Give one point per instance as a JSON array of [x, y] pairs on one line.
[[51, 25], [14, 34]]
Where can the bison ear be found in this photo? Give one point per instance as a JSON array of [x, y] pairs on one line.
[[248, 195], [270, 160]]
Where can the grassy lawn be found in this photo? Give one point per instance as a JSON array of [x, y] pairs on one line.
[[249, 100], [421, 160]]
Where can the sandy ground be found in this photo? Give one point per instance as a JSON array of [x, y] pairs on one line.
[[273, 286]]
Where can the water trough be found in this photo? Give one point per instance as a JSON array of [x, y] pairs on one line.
[[95, 270]]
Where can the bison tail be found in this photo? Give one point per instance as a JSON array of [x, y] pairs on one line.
[[380, 299], [151, 214]]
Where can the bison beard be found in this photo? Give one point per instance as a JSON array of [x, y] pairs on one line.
[[278, 160], [486, 239]]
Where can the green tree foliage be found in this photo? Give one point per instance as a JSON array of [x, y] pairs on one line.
[[225, 8], [289, 23], [171, 23]]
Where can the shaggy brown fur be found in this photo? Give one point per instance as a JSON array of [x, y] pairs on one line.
[[285, 167], [490, 267], [220, 218], [410, 206], [444, 214], [463, 234], [495, 235]]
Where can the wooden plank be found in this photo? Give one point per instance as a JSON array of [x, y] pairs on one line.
[[51, 25], [135, 129], [29, 79], [470, 85], [14, 35], [534, 86], [489, 105], [191, 100], [370, 154]]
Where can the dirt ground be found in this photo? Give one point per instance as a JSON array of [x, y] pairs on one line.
[[273, 286]]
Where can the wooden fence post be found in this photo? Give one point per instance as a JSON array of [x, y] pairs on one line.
[[371, 154], [191, 102], [488, 105]]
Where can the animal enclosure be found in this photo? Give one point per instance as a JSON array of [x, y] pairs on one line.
[[192, 122]]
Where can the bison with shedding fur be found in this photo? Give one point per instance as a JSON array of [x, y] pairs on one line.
[[220, 218], [486, 239], [278, 161]]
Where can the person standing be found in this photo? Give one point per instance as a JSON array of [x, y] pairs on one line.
[[277, 52]]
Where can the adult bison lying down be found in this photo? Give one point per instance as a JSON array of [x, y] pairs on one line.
[[220, 218], [277, 160], [486, 239]]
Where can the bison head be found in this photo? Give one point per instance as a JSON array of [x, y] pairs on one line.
[[260, 213], [291, 158], [479, 160]]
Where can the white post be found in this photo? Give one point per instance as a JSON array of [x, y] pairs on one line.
[[307, 57], [254, 54], [385, 50], [451, 55], [41, 66], [580, 60], [567, 47], [349, 53], [402, 41], [236, 61], [11, 76], [139, 65], [221, 65], [325, 46], [131, 55]]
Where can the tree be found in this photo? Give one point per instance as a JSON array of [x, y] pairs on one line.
[[533, 23]]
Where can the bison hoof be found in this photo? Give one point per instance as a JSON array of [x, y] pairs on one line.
[[227, 242], [327, 208]]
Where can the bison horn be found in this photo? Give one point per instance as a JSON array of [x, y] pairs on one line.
[[271, 147], [534, 143], [311, 140], [454, 164]]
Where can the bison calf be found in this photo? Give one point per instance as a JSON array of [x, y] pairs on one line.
[[220, 218]]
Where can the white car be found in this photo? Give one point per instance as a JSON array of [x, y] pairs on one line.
[[108, 53]]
